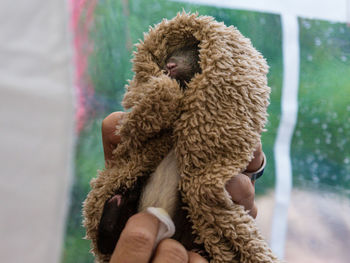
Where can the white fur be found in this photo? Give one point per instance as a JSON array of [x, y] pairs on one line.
[[162, 187]]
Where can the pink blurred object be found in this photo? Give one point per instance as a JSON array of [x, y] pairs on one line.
[[82, 49]]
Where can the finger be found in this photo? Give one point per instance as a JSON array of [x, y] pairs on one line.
[[254, 211], [196, 258], [169, 250], [109, 138], [258, 159], [242, 191], [137, 240]]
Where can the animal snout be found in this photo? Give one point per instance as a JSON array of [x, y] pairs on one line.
[[170, 65]]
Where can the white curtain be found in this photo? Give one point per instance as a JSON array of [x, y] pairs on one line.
[[36, 128]]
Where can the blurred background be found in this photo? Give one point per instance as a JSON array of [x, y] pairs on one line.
[[63, 68]]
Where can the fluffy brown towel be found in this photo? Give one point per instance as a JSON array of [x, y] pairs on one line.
[[213, 126]]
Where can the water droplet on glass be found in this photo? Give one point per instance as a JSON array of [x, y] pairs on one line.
[[306, 24], [343, 58], [315, 121], [315, 179], [318, 41], [309, 159], [347, 160], [309, 57], [324, 126]]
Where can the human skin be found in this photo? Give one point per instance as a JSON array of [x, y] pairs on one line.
[[140, 232], [141, 229]]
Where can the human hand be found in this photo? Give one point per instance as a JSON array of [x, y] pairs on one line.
[[110, 137], [240, 187], [137, 240], [257, 161]]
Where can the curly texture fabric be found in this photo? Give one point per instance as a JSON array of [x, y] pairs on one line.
[[213, 125]]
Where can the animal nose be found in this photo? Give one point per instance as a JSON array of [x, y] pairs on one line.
[[170, 65]]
